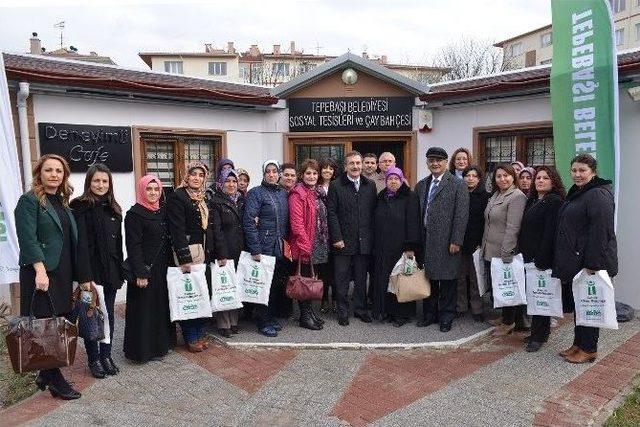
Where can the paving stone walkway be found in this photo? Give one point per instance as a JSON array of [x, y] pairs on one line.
[[486, 382]]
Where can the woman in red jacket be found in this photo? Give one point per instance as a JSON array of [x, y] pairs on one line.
[[309, 237]]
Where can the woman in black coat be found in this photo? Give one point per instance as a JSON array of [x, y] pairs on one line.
[[226, 236], [585, 239], [397, 232], [537, 237], [147, 325], [468, 291], [99, 219]]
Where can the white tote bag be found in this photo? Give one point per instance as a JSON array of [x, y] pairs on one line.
[[544, 293], [188, 293], [508, 282], [254, 278], [103, 307], [225, 293], [594, 298], [481, 276], [403, 266]]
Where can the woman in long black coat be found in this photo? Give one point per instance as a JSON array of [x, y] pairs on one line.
[[146, 332], [537, 237], [585, 239], [226, 236], [99, 219], [397, 231]]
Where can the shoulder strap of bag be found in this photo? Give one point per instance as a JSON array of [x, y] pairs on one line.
[[160, 248]]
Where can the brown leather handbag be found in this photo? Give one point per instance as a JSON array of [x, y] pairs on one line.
[[304, 288], [37, 344]]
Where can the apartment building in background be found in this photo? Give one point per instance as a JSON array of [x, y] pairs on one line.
[[36, 48], [268, 69], [536, 47]]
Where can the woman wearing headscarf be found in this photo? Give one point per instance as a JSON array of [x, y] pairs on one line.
[[309, 232], [226, 237], [222, 165], [397, 232], [525, 180], [266, 224], [99, 219], [243, 181], [147, 321], [188, 218]]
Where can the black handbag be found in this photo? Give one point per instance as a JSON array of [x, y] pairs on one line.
[[89, 316], [127, 270]]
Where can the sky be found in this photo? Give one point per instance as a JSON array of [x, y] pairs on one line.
[[407, 31]]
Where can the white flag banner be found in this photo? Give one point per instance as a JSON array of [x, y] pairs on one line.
[[10, 186]]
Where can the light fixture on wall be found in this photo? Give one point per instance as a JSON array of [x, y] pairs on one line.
[[349, 76]]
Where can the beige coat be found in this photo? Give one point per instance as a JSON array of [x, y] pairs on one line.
[[502, 219]]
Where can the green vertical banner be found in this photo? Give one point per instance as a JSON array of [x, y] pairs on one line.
[[584, 86]]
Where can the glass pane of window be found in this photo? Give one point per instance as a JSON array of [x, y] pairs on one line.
[[202, 149], [320, 152], [540, 151], [173, 67], [619, 36], [500, 149], [159, 157], [218, 68]]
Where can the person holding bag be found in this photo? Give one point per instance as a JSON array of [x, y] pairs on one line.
[[48, 239], [147, 324], [502, 219], [188, 218], [328, 173], [226, 237], [309, 233], [396, 225], [585, 239], [99, 219], [537, 238]]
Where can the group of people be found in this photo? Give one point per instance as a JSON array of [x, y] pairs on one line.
[[349, 223]]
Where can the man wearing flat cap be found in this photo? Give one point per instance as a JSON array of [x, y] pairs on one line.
[[444, 203]]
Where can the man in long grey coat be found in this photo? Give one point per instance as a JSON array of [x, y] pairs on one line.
[[444, 203]]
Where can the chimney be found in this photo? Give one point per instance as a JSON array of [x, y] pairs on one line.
[[92, 53], [383, 59], [254, 51], [293, 47], [35, 44], [207, 47], [365, 55], [276, 49], [230, 48]]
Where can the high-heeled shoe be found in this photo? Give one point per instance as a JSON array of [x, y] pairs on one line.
[[42, 381], [64, 394]]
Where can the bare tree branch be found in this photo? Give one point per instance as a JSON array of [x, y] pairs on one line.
[[468, 57]]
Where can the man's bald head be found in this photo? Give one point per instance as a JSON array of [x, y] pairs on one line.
[[385, 161]]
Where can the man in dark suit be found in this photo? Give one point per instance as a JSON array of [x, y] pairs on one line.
[[444, 203], [350, 206]]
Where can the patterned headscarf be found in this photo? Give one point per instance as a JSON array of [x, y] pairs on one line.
[[198, 195], [141, 194], [225, 175], [222, 163], [392, 171]]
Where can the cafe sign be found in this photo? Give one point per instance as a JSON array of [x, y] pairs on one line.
[[85, 145], [392, 113]]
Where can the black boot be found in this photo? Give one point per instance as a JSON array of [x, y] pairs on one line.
[[43, 379], [109, 367], [317, 319], [59, 387], [306, 321], [96, 369]]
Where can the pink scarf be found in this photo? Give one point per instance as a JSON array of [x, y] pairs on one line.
[[141, 194]]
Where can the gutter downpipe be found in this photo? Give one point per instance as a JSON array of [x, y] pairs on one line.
[[23, 121]]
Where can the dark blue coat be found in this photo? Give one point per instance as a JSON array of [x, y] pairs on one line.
[[269, 204]]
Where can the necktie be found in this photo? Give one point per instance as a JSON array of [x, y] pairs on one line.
[[432, 193], [356, 184]]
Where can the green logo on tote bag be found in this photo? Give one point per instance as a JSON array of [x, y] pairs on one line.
[[255, 271], [223, 277], [591, 288], [542, 281], [188, 286], [507, 273]]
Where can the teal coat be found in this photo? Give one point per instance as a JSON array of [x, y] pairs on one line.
[[40, 232]]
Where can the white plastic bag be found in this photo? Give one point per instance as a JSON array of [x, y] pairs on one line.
[[594, 298], [507, 281], [544, 293], [103, 307], [225, 292], [188, 293], [481, 277], [406, 266], [254, 278]]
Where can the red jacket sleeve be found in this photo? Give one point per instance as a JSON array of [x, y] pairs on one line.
[[300, 240]]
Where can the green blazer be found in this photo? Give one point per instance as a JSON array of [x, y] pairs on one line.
[[40, 232]]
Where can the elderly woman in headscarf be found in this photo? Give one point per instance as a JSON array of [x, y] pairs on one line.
[[266, 225], [226, 237], [397, 233], [147, 322], [525, 180], [243, 181], [188, 218], [222, 165]]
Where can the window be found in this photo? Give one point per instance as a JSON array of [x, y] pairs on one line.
[[167, 154], [546, 40], [173, 67], [540, 151], [619, 36], [218, 68], [618, 5], [320, 152], [546, 61], [516, 49], [244, 73], [281, 69], [638, 30]]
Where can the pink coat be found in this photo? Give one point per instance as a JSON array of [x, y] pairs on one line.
[[302, 221]]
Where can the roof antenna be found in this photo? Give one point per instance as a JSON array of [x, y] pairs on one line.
[[60, 25], [318, 47]]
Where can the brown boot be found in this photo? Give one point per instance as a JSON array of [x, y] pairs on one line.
[[194, 347], [503, 330], [581, 356], [569, 351], [204, 343], [496, 322]]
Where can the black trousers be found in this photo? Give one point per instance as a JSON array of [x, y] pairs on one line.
[[584, 337], [95, 351], [342, 265], [441, 304], [278, 302], [540, 328]]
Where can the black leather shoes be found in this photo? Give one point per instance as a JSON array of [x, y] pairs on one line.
[[445, 327], [108, 367], [225, 332], [426, 322], [42, 381], [96, 369], [234, 329], [64, 393], [478, 317], [363, 317], [343, 321], [533, 346]]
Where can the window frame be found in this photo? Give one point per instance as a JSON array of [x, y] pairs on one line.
[[621, 32], [618, 6], [168, 66], [214, 65], [521, 49], [542, 39]]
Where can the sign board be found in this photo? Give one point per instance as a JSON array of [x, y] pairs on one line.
[[85, 145], [393, 113]]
